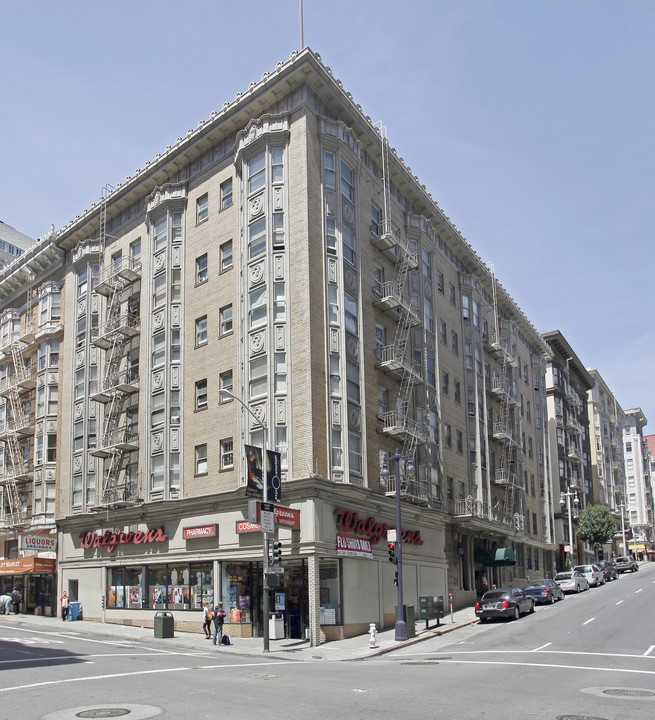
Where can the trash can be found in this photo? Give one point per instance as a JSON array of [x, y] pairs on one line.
[[164, 625], [74, 611], [276, 626]]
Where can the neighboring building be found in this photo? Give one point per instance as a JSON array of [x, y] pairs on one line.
[[639, 495], [12, 244], [568, 383], [31, 332], [606, 446], [650, 444], [281, 252]]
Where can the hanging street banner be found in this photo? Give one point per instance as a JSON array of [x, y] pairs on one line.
[[255, 485]]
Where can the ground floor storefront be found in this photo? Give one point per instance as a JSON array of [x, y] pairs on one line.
[[335, 578], [35, 578]]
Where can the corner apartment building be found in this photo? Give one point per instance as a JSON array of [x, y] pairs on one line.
[[568, 383], [639, 493], [282, 252]]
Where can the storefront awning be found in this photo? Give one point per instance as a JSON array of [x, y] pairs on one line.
[[504, 556], [21, 566]]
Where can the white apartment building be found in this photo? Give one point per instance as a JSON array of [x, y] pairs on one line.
[[12, 244], [278, 277], [638, 497]]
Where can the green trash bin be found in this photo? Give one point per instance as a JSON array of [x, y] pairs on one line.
[[164, 625]]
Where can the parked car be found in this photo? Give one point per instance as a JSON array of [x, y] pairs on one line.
[[506, 603], [608, 569], [625, 564], [593, 573], [544, 590], [572, 581]]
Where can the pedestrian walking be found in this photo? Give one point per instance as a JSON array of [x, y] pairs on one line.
[[219, 619], [42, 602], [16, 597], [207, 620], [65, 604]]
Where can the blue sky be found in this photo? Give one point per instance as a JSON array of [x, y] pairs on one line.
[[530, 122]]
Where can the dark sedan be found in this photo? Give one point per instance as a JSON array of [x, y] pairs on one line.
[[544, 590], [608, 569], [506, 603]]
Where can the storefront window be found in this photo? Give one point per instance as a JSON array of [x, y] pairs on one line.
[[236, 591], [171, 587], [330, 592]]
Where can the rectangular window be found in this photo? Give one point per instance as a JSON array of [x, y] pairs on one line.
[[258, 376], [279, 303], [277, 164], [443, 332], [226, 194], [79, 384], [331, 235], [427, 263], [225, 383], [348, 237], [201, 394], [431, 371], [201, 331], [329, 169], [352, 381], [201, 269], [440, 283], [429, 317], [375, 220], [459, 439], [447, 436], [347, 188], [257, 238], [51, 449], [202, 208], [351, 321], [280, 379], [278, 231], [176, 285], [225, 317], [227, 454], [157, 408], [157, 478], [160, 233], [256, 173], [335, 375], [159, 292], [82, 282], [158, 349], [354, 453], [454, 343], [201, 459], [333, 304], [445, 383], [257, 306], [81, 331], [226, 255]]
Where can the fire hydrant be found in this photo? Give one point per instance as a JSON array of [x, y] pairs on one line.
[[372, 630]]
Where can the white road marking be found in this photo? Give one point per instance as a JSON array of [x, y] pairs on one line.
[[546, 665], [638, 591], [588, 621], [541, 647], [650, 650], [619, 602]]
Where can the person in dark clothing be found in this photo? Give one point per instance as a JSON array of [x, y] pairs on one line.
[[219, 619], [16, 597]]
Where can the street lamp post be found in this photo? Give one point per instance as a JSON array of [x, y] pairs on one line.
[[568, 495], [401, 625], [625, 547], [262, 425]]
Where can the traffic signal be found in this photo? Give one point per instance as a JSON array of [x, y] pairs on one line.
[[392, 553], [277, 552]]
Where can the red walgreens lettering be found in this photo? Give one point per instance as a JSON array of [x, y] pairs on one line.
[[348, 521], [109, 540]]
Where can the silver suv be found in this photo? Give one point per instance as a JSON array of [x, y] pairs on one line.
[[595, 576], [625, 564]]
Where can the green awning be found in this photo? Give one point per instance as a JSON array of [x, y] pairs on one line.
[[504, 556]]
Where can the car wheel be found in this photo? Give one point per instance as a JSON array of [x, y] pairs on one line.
[[552, 599], [577, 589], [516, 615], [483, 620], [562, 596], [531, 610]]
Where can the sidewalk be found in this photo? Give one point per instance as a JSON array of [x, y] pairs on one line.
[[355, 648]]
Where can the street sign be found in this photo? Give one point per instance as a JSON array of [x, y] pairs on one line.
[[267, 521], [275, 569], [391, 535]]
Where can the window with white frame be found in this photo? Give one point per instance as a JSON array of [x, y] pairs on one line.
[[354, 453], [202, 208], [227, 454], [159, 290], [160, 233], [429, 317], [257, 306], [225, 253], [380, 341], [201, 459], [158, 349], [201, 394], [258, 376], [256, 172], [329, 170], [348, 238], [201, 269], [333, 304], [331, 235], [278, 231], [201, 330], [335, 375], [279, 302], [352, 381], [280, 377], [225, 320], [226, 193], [426, 258], [225, 383], [257, 238], [277, 164], [157, 409], [351, 320]]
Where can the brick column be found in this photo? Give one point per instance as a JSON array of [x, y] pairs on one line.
[[313, 581]]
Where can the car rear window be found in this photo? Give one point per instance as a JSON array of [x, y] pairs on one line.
[[563, 576], [494, 595]]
